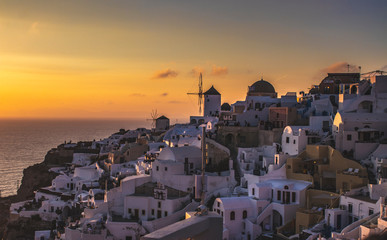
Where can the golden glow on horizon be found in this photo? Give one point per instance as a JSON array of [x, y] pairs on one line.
[[99, 60]]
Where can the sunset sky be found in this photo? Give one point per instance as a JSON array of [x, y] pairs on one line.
[[121, 58]]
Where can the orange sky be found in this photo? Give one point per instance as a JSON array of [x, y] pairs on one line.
[[102, 59]]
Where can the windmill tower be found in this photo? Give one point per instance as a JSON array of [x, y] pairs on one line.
[[199, 93], [154, 116]]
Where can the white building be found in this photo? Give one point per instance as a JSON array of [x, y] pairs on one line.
[[359, 133], [162, 123], [270, 204], [256, 159], [295, 139], [212, 102]]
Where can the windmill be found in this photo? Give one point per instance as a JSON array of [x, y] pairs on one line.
[[199, 93], [154, 116]]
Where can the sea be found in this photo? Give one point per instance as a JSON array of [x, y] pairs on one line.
[[25, 142]]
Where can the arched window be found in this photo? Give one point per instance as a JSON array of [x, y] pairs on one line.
[[244, 214], [232, 215], [286, 187]]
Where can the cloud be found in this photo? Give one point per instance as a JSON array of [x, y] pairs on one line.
[[175, 102], [384, 68], [166, 73], [219, 71], [340, 67], [137, 95], [164, 94], [34, 28], [196, 71]]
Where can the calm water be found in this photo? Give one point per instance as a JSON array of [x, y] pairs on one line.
[[26, 142]]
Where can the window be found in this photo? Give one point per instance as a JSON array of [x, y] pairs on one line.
[[232, 215], [294, 141], [349, 137], [157, 168], [293, 197], [244, 214], [159, 204], [153, 212], [166, 168], [279, 195], [370, 211], [128, 238], [253, 191], [287, 139], [129, 210], [350, 207], [165, 213], [218, 204], [277, 115]]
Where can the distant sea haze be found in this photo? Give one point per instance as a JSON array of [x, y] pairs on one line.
[[25, 142]]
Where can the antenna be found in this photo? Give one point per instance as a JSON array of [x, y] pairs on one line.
[[199, 93], [153, 118]]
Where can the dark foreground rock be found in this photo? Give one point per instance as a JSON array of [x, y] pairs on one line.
[[34, 177]]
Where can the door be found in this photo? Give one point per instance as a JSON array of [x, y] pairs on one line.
[[339, 221], [158, 213]]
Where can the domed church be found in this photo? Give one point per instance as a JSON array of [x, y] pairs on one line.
[[262, 88]]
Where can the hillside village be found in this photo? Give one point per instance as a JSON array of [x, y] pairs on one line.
[[307, 165]]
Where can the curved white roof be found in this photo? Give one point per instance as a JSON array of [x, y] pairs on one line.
[[295, 130], [178, 154], [237, 202], [281, 183]]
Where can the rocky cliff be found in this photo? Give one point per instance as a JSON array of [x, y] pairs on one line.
[[34, 177]]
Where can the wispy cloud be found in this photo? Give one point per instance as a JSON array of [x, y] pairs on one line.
[[137, 95], [219, 71], [34, 28], [164, 94], [166, 73], [196, 71], [175, 102], [340, 67]]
